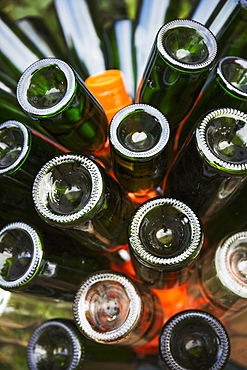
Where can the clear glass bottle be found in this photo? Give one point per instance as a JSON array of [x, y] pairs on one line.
[[41, 263], [51, 92], [194, 339], [165, 238], [219, 286], [75, 193], [58, 344], [23, 151], [213, 166], [111, 308], [182, 55], [139, 144]]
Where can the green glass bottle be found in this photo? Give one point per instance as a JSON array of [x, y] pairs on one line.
[[46, 264], [201, 12], [165, 238], [219, 285], [226, 86], [213, 166], [51, 92], [194, 339], [139, 142], [23, 151], [58, 344], [75, 193], [181, 57], [111, 308]]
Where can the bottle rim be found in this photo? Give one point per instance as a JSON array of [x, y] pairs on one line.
[[137, 247], [115, 335], [14, 166], [36, 258], [23, 85], [203, 147], [223, 268], [76, 347], [177, 319], [228, 85], [95, 196], [188, 23], [146, 154]]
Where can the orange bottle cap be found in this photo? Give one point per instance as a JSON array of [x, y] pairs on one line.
[[109, 89]]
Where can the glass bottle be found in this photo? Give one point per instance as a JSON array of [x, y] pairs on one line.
[[51, 92], [165, 237], [75, 193], [194, 339], [201, 12], [23, 151], [180, 60], [139, 142], [111, 308], [82, 42], [58, 344], [219, 285], [213, 166], [225, 87], [41, 263]]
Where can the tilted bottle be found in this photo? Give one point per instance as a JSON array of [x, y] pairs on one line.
[[111, 308], [23, 151], [41, 263], [139, 144], [165, 238], [182, 55], [213, 165], [219, 285], [75, 193], [201, 12], [194, 339], [51, 92], [225, 87], [58, 344]]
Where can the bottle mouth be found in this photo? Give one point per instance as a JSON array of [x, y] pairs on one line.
[[231, 263], [187, 45], [165, 233], [221, 139], [53, 345], [107, 307], [194, 339], [14, 146], [232, 72], [21, 255], [68, 189], [46, 87], [139, 131]]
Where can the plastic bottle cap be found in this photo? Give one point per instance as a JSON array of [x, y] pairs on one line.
[[109, 89]]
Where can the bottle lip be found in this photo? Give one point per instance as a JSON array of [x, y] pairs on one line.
[[204, 149], [177, 319], [76, 347], [122, 113], [188, 23], [39, 194], [163, 262], [124, 330], [23, 85], [25, 146], [36, 258], [223, 257], [228, 85]]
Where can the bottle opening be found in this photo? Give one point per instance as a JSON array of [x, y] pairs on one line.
[[20, 254], [139, 131], [233, 73], [67, 188], [222, 139], [186, 43], [14, 139]]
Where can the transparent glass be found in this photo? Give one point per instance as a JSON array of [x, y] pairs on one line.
[[11, 142]]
